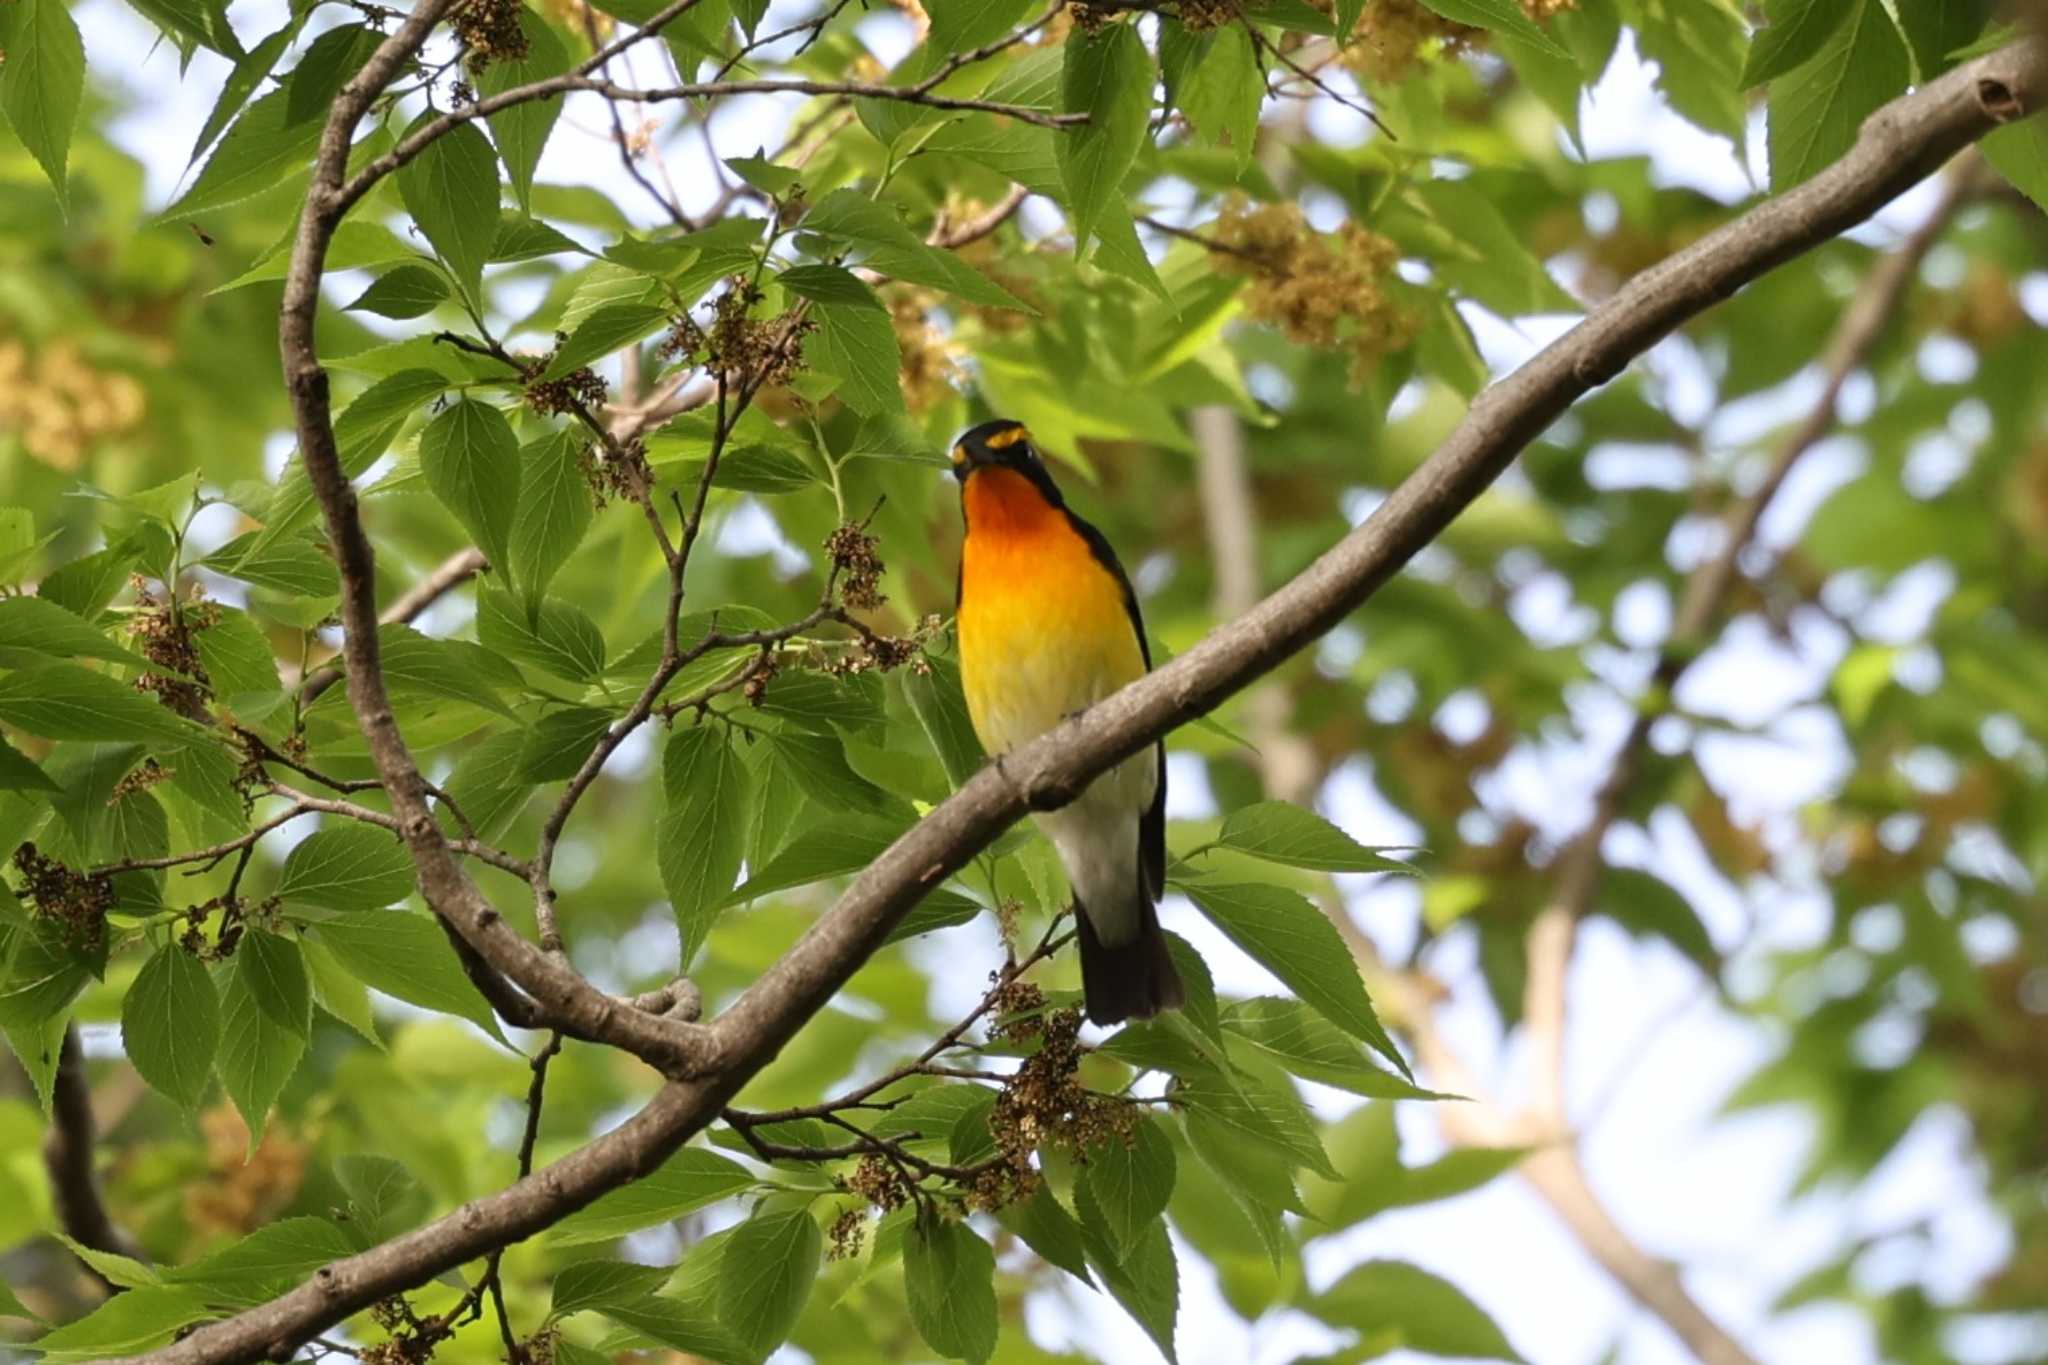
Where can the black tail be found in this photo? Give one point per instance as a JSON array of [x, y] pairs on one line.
[[1133, 980]]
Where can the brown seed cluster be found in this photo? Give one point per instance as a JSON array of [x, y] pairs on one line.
[[767, 351], [139, 779], [162, 631], [1323, 290], [580, 390], [1091, 18], [1199, 16], [880, 1181], [854, 553], [624, 476], [930, 366], [1394, 36], [489, 32], [1019, 1007], [1044, 1104], [229, 935], [77, 901], [60, 405], [848, 1231]]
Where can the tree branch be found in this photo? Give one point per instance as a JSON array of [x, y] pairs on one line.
[[68, 1152], [451, 573], [1898, 145]]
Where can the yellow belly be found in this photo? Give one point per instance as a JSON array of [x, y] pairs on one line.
[[1043, 634]]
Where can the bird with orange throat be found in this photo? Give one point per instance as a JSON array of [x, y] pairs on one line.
[[1048, 627]]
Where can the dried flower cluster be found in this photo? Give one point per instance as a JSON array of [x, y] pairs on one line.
[[489, 32], [61, 406], [1323, 290], [931, 362], [579, 390], [162, 631], [765, 350], [139, 779], [1044, 1104], [880, 1181], [843, 1239], [76, 901], [1394, 36], [238, 1195]]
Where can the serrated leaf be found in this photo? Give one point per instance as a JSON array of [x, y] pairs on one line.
[[949, 1284], [958, 25], [1500, 16], [1130, 1182], [610, 327], [558, 636], [1269, 1114], [408, 957], [19, 773], [940, 706], [882, 242], [603, 1284], [1289, 936], [1145, 1279], [1108, 77], [833, 848], [65, 701], [521, 130], [1281, 832], [347, 867], [687, 1181], [37, 626], [275, 973], [471, 460], [451, 191], [557, 744], [1817, 108], [408, 291], [454, 669], [125, 1324], [1314, 1049], [257, 1056], [238, 659], [1793, 32], [170, 1024], [1405, 1305], [250, 71], [276, 1255], [42, 83], [706, 799], [1048, 1229], [765, 1276]]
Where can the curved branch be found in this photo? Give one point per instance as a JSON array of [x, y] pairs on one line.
[[68, 1151], [1898, 145]]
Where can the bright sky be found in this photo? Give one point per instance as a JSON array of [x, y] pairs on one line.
[[1650, 1057]]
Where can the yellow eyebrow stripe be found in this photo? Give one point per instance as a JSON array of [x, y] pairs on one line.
[[1003, 440], [959, 454]]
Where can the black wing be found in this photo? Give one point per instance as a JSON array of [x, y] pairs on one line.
[[1152, 824]]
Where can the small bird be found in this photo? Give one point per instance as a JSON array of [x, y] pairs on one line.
[[1048, 627]]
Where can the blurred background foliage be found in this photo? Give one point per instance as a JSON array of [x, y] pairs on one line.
[[1838, 825]]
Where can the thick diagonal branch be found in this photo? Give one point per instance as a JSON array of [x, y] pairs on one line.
[[1900, 144]]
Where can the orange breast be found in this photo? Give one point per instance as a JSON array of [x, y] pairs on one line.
[[1043, 628]]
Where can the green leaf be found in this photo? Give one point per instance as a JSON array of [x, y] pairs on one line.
[[12, 1307], [368, 426], [1270, 1114], [1145, 1279], [609, 328], [42, 83], [1130, 1182], [521, 130], [37, 625], [1289, 937], [2020, 154], [170, 1024], [454, 669], [257, 1055], [1314, 1049], [471, 460], [350, 866], [1406, 1306], [340, 994], [487, 785], [1937, 30], [250, 71], [116, 1269], [1793, 33], [558, 637], [451, 190], [763, 174], [936, 699], [831, 848], [958, 25], [19, 773], [1048, 1229], [125, 1324], [269, 1259], [289, 564], [554, 511], [829, 284], [1219, 85], [603, 1284], [275, 973], [44, 975], [765, 1276], [1281, 832], [408, 291], [554, 749], [1816, 108], [64, 701], [408, 957], [856, 345], [687, 1181], [949, 1283], [702, 837], [1107, 76], [384, 1199], [238, 659], [1648, 906], [1500, 16], [880, 240]]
